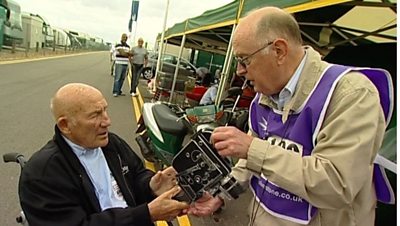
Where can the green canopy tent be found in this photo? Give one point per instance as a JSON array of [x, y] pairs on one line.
[[324, 24], [210, 31]]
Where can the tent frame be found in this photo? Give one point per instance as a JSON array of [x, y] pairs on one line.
[[216, 37]]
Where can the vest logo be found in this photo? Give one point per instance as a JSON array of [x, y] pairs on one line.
[[285, 144]]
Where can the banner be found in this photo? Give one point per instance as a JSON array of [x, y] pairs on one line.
[[134, 13]]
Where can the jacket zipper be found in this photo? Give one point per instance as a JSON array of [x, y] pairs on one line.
[[123, 178]]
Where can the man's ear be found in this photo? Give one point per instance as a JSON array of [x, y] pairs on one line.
[[281, 50], [63, 125]]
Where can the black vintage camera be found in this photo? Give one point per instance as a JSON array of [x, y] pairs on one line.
[[201, 169]]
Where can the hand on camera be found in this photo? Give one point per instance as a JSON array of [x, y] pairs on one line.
[[166, 208], [205, 206], [230, 141], [163, 181]]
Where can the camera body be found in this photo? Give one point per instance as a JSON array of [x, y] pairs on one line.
[[201, 169]]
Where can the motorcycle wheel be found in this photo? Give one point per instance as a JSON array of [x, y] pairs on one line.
[[147, 73]]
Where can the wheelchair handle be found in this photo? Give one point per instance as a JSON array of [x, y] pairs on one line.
[[15, 157]]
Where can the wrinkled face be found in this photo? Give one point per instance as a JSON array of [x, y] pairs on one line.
[[89, 125], [256, 61]]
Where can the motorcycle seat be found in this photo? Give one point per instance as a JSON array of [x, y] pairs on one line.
[[167, 120]]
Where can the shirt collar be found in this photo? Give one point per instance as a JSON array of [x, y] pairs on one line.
[[79, 150], [287, 92]]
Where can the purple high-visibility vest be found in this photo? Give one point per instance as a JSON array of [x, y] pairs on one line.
[[302, 128]]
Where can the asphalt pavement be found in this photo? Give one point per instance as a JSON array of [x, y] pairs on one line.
[[27, 124]]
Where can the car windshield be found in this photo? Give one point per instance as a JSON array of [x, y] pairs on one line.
[[167, 58]]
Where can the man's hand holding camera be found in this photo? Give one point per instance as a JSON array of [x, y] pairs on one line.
[[164, 186], [230, 141]]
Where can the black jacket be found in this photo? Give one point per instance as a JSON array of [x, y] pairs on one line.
[[55, 190]]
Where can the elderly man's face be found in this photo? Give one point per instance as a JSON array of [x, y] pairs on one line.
[[140, 42], [256, 60], [89, 125]]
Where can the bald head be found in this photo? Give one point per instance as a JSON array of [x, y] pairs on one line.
[[268, 44], [124, 37], [269, 23], [81, 115], [140, 42], [71, 98]]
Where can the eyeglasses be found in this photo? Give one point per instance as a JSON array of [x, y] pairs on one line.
[[245, 61]]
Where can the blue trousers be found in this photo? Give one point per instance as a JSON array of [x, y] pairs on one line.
[[120, 73], [136, 70]]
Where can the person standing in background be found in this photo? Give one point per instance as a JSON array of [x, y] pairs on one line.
[[138, 60], [121, 65]]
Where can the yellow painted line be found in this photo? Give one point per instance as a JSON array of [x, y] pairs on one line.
[[184, 220], [137, 102], [141, 101], [136, 107], [149, 166]]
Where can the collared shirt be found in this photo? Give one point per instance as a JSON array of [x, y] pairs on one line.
[[287, 92], [120, 59], [210, 95], [95, 164]]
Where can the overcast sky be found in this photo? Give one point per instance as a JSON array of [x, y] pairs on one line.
[[108, 19]]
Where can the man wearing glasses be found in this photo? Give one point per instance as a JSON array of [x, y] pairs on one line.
[[315, 129]]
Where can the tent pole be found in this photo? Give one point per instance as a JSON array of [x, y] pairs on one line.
[[226, 69], [177, 68], [228, 58], [161, 46], [211, 62]]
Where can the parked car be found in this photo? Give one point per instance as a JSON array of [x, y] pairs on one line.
[[169, 63]]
